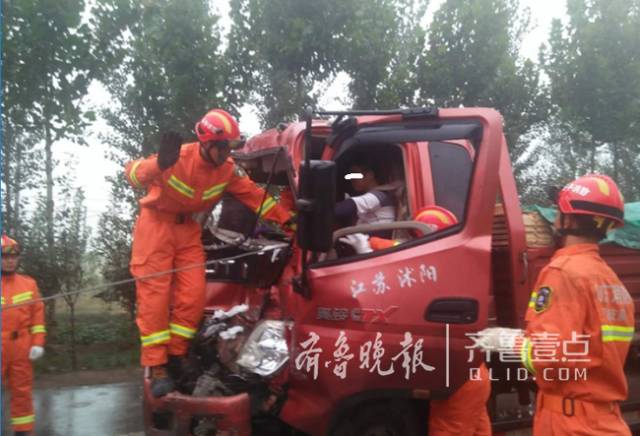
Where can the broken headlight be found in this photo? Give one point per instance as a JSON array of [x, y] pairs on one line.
[[265, 351]]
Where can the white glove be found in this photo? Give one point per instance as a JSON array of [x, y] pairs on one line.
[[359, 242], [36, 352], [498, 338]]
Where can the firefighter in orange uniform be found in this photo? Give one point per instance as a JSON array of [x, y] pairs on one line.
[[581, 309], [180, 180], [465, 412], [23, 334]]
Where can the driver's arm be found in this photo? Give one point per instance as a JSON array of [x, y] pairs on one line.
[[346, 212]]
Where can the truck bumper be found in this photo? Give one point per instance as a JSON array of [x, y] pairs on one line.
[[173, 413]]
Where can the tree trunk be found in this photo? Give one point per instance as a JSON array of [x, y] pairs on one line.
[[50, 241], [6, 168], [49, 173], [132, 308], [616, 162], [19, 146], [49, 211], [299, 99], [50, 307], [72, 322]]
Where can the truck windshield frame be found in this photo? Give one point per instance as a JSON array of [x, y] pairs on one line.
[[429, 130]]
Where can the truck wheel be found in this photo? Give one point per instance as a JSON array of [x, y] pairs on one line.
[[396, 418]]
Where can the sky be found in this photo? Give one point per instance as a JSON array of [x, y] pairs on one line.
[[92, 167]]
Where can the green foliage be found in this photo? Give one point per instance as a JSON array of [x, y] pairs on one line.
[[473, 59], [64, 269], [21, 169], [72, 243], [593, 62], [381, 49], [103, 341], [166, 69], [114, 246], [281, 48], [172, 69], [48, 66], [96, 328]]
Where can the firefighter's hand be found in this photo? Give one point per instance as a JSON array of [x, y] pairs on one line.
[[498, 338], [359, 242], [169, 150], [36, 352]]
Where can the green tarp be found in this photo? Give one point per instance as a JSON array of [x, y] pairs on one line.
[[628, 236]]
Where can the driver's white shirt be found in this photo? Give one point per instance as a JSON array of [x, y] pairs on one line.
[[375, 207]]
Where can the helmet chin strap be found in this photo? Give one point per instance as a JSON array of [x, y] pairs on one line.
[[204, 152], [559, 234], [574, 232]]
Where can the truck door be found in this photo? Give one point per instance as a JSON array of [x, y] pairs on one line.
[[398, 318]]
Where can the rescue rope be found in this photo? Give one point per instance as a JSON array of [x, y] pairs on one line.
[[144, 277]]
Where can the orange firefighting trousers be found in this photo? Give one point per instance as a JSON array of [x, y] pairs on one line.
[[465, 412], [580, 303], [556, 416], [170, 306], [17, 374]]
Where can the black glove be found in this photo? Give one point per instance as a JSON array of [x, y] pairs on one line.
[[169, 150]]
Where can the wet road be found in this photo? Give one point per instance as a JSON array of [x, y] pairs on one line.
[[102, 410], [116, 410]]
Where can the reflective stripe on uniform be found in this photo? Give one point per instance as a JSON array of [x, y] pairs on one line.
[[160, 337], [181, 186], [268, 204], [532, 300], [38, 328], [22, 297], [214, 191], [525, 355], [20, 420], [180, 330], [3, 301], [132, 174], [616, 333]]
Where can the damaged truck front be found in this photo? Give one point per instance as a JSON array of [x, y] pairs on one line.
[[228, 381], [309, 337]]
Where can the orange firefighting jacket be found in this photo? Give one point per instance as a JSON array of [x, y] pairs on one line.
[[377, 243], [579, 327], [194, 185], [23, 320]]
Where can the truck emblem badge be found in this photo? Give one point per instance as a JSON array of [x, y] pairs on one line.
[[363, 315]]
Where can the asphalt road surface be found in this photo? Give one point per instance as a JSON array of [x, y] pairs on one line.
[[101, 410], [116, 410]]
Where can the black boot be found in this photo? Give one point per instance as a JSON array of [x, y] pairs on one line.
[[161, 383], [21, 433], [176, 366]]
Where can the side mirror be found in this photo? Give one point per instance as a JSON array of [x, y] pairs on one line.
[[315, 205]]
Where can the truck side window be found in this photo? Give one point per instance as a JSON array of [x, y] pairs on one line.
[[451, 166]]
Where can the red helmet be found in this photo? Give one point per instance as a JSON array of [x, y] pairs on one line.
[[436, 217], [9, 246], [595, 195], [217, 125]]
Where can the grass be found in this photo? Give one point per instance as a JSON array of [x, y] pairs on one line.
[[106, 338]]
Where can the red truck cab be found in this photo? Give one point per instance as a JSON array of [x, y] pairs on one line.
[[369, 338]]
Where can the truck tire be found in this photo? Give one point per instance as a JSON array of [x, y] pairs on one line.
[[388, 418]]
